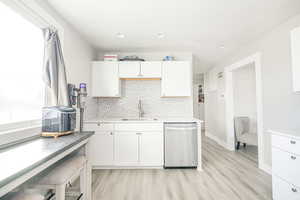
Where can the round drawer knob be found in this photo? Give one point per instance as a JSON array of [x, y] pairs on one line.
[[293, 157], [294, 190], [293, 142]]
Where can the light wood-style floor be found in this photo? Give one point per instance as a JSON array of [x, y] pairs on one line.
[[226, 176], [250, 152]]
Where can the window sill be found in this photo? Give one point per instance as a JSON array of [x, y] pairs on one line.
[[16, 134]]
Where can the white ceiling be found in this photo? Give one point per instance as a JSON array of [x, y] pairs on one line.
[[198, 26]]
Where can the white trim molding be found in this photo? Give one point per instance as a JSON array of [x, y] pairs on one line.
[[217, 140], [256, 59]]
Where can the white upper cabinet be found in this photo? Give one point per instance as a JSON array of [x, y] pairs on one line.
[[133, 69], [176, 79], [151, 69], [130, 69], [295, 51], [105, 79]]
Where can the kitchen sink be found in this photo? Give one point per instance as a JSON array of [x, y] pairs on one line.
[[139, 119]]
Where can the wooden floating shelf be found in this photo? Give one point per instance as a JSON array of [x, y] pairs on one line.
[[140, 79]]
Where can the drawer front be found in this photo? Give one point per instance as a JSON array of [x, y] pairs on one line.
[[283, 190], [98, 127], [286, 165], [139, 127], [286, 143]]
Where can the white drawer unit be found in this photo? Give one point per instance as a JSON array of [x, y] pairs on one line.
[[285, 166], [286, 143], [282, 190]]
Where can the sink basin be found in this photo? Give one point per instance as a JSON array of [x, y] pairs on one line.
[[138, 119]]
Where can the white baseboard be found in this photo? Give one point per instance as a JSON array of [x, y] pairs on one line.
[[266, 168], [217, 140], [127, 167]]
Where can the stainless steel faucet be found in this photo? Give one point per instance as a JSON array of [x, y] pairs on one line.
[[141, 112]]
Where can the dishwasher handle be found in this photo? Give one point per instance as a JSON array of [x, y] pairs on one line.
[[180, 128]]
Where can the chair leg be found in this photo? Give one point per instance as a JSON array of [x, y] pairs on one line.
[[60, 192], [83, 182], [238, 145], [244, 145]]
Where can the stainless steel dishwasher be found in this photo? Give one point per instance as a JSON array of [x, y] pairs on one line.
[[181, 148]]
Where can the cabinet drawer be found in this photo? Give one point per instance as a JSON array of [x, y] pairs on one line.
[[286, 165], [286, 143], [98, 127], [283, 190], [139, 127]]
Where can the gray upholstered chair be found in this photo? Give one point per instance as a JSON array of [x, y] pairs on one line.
[[242, 132]]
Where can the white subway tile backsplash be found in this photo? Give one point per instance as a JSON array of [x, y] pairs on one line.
[[149, 92]]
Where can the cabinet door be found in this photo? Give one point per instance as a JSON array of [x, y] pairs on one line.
[[151, 69], [129, 69], [101, 152], [126, 148], [176, 79], [295, 51], [151, 149], [105, 79]]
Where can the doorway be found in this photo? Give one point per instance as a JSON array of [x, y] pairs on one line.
[[255, 61], [244, 107]]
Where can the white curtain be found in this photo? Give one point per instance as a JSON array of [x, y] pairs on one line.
[[54, 72]]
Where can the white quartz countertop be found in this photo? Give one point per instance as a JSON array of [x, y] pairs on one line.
[[287, 133], [143, 120]]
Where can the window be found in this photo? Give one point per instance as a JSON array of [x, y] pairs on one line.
[[21, 59]]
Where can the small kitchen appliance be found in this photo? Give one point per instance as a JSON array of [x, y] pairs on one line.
[[78, 96], [58, 120]]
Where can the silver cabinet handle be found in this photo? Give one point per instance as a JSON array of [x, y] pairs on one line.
[[139, 133], [98, 124], [294, 190], [293, 142], [293, 157]]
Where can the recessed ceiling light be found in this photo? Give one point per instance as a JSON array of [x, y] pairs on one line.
[[160, 35], [120, 35]]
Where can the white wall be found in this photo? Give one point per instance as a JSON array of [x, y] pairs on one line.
[[244, 94], [215, 108], [281, 106]]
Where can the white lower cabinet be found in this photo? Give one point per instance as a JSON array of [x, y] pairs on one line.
[[101, 148], [285, 166], [282, 190], [151, 149], [126, 147]]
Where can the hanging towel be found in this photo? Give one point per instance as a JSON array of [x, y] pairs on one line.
[[54, 72]]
